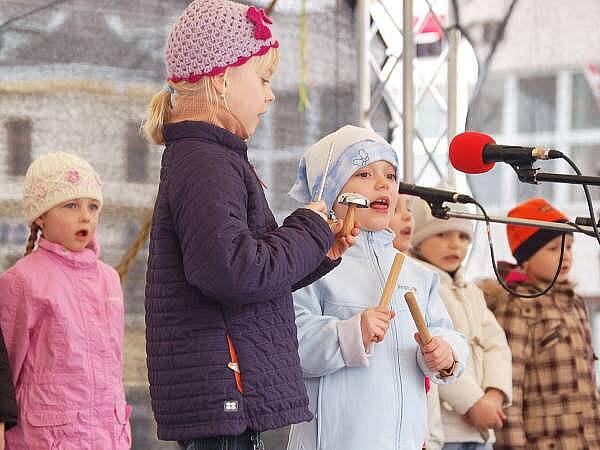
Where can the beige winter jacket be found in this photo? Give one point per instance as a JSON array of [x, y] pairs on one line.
[[489, 364]]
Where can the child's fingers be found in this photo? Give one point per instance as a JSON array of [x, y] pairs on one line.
[[440, 358], [418, 339], [430, 346], [502, 414]]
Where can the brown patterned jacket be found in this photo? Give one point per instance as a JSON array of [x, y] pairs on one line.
[[556, 404]]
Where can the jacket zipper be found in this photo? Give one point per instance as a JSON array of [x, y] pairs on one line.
[[382, 279], [233, 365]]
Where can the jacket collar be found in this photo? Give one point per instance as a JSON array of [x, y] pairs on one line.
[[206, 132], [375, 239], [87, 257], [518, 278], [458, 280]]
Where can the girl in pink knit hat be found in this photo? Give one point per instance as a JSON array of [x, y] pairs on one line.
[[221, 341], [62, 317]]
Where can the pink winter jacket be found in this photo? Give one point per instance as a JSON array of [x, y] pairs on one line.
[[62, 316]]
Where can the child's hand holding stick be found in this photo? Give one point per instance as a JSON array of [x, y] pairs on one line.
[[437, 351]]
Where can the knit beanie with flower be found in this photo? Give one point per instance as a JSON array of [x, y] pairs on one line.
[[526, 241], [55, 178], [212, 35]]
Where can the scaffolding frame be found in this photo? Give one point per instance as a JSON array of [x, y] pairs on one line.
[[404, 115]]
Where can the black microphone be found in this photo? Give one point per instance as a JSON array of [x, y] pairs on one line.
[[473, 152], [433, 195]]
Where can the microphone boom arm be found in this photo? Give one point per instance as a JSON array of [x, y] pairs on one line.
[[557, 226]]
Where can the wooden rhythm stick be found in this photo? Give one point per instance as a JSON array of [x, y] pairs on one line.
[[390, 284], [426, 337], [417, 316]]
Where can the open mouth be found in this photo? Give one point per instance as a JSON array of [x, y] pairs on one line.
[[406, 231], [381, 204], [82, 233], [452, 258]]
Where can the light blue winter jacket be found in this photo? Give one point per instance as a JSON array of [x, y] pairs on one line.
[[373, 401]]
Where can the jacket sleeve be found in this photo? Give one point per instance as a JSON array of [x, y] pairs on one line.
[[440, 324], [462, 394], [16, 319], [326, 343], [8, 404], [326, 266], [512, 435], [497, 364], [221, 255]]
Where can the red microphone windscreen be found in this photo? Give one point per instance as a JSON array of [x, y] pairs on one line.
[[466, 152]]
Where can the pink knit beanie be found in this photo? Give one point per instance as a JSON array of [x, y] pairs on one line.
[[212, 35]]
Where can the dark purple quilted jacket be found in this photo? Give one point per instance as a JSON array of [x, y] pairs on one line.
[[219, 265]]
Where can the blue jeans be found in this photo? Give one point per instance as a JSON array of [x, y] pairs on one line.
[[249, 440], [467, 446]]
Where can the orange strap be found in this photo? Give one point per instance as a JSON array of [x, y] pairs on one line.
[[234, 360]]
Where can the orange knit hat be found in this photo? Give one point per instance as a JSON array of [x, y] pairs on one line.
[[526, 241]]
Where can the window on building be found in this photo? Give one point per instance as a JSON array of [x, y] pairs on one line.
[[486, 186], [338, 107], [290, 126], [283, 175], [587, 158], [18, 140], [430, 117], [537, 104], [490, 31], [429, 49], [136, 154], [586, 107], [525, 191], [485, 114]]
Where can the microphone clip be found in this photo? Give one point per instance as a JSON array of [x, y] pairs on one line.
[[525, 171], [437, 210]]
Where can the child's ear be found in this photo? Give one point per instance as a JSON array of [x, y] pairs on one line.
[[39, 222], [219, 83]]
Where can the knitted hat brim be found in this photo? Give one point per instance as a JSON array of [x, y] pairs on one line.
[[219, 70], [437, 226]]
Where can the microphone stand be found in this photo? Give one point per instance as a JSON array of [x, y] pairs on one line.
[[528, 174], [445, 213], [569, 179]]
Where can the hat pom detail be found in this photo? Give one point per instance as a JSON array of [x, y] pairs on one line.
[[258, 17]]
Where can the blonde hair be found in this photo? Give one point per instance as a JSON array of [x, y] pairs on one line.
[[34, 234], [159, 110]]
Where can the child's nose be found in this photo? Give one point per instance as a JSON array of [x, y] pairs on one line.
[[270, 96], [85, 215], [383, 183]]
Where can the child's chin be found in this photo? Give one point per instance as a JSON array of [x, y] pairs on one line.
[[373, 227]]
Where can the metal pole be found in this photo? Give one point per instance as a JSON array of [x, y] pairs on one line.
[[408, 105], [557, 226], [453, 41], [364, 84]]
